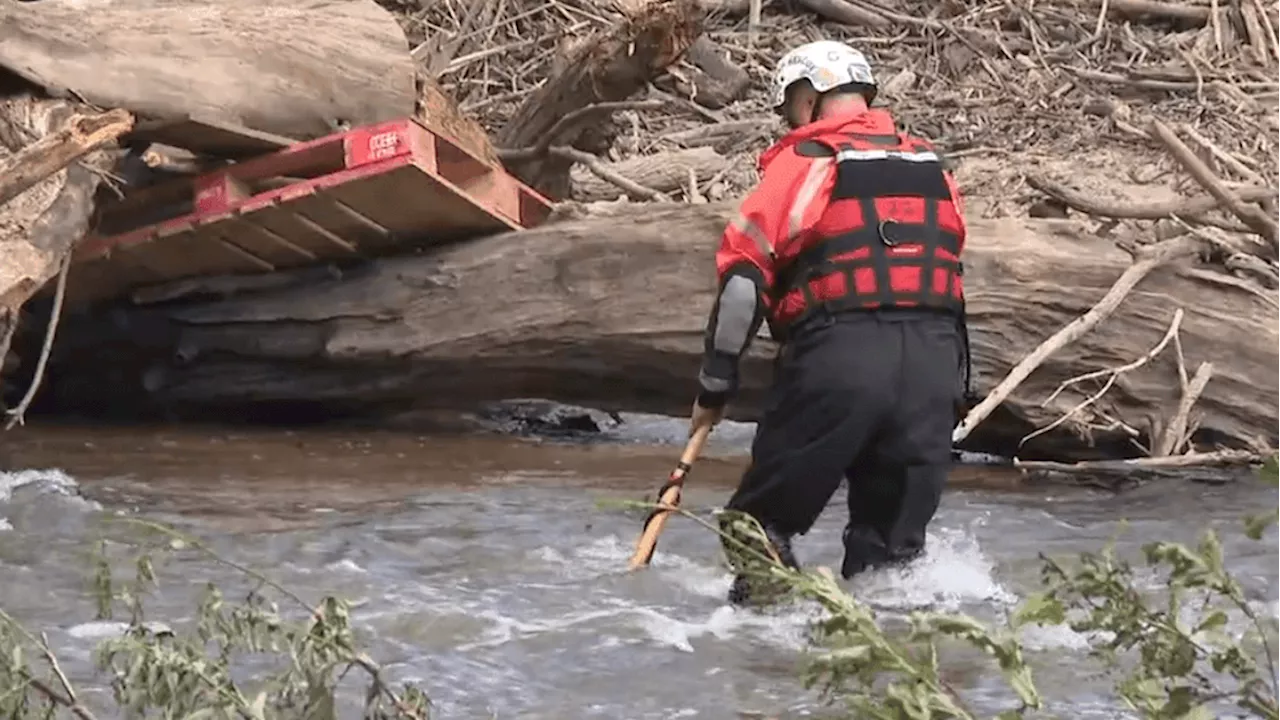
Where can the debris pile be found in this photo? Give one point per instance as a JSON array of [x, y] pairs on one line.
[[1062, 89]]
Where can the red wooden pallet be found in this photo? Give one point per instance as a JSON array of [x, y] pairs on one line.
[[365, 192]]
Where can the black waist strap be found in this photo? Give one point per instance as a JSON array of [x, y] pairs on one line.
[[813, 260]]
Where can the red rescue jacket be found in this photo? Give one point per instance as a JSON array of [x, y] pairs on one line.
[[849, 214]]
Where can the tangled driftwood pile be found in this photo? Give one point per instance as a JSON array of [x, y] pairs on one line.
[[1015, 84], [1118, 157], [1162, 99]]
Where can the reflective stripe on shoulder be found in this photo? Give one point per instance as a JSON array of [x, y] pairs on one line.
[[753, 231], [806, 195], [859, 155]]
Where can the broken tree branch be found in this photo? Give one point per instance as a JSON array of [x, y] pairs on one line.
[[592, 163], [1227, 159], [8, 328], [1174, 433], [1250, 215], [1217, 278], [1191, 209], [1192, 459], [1112, 373], [846, 13], [664, 172], [1146, 260], [1237, 258], [1155, 9], [81, 134], [17, 415]]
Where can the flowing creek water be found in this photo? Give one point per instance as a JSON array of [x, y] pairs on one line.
[[485, 568]]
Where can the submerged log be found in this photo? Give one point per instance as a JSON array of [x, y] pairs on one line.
[[329, 61], [608, 312]]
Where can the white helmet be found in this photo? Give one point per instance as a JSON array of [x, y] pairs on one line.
[[826, 64]]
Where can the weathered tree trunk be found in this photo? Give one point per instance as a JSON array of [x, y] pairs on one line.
[[295, 68], [607, 67], [46, 197], [609, 312]]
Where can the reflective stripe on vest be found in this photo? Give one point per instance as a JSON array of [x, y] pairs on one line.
[[889, 250]]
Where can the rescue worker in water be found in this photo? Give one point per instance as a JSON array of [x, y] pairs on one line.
[[850, 247]]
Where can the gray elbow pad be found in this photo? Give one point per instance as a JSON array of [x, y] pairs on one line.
[[736, 316]]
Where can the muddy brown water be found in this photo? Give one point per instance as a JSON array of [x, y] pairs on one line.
[[485, 568]]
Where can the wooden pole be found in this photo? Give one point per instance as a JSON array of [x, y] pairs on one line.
[[669, 497]]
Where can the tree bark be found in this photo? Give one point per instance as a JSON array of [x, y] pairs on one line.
[[295, 68], [711, 78], [53, 202], [607, 67], [608, 311]]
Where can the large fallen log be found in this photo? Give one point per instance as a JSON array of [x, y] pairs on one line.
[[296, 68], [609, 312]]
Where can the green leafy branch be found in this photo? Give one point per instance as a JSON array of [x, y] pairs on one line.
[[1176, 669], [1179, 669], [153, 669]]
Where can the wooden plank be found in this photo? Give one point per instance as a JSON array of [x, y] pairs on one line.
[[210, 137], [336, 223], [281, 221], [415, 207], [195, 252], [271, 247]]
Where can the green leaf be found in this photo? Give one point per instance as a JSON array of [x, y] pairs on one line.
[[1215, 619], [1270, 470], [1256, 525], [850, 653], [1181, 701], [1039, 609], [1199, 712], [1021, 683]]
